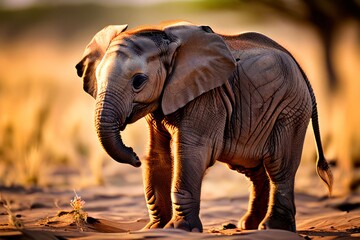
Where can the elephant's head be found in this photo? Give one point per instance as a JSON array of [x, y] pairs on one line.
[[133, 73]]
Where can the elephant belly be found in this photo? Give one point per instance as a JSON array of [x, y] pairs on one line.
[[247, 144], [243, 154], [246, 140]]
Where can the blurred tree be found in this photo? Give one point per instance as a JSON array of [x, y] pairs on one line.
[[327, 17]]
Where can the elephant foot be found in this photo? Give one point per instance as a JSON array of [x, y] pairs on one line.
[[249, 222], [278, 222], [154, 224], [190, 225]]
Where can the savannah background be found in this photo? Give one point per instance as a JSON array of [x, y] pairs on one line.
[[47, 136]]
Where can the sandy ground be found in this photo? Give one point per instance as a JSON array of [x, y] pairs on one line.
[[120, 213]]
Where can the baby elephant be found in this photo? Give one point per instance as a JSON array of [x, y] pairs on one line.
[[242, 100]]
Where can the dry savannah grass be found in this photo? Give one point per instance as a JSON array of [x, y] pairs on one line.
[[48, 144]]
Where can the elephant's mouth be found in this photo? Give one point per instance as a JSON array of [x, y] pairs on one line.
[[122, 128], [138, 111], [127, 121]]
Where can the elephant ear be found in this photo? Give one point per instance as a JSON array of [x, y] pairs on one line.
[[201, 61], [93, 54]]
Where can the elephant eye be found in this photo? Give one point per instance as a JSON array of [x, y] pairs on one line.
[[138, 81]]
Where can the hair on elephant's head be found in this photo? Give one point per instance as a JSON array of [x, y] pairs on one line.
[[132, 73]]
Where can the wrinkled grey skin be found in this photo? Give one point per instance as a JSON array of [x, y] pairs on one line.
[[242, 100]]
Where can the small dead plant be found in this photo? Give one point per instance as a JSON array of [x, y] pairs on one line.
[[79, 215], [13, 220]]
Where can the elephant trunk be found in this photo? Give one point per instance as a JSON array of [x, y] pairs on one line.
[[108, 125]]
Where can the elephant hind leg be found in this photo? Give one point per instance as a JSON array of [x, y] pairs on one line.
[[281, 211], [259, 198], [281, 164]]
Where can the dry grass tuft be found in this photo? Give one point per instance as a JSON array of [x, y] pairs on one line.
[[80, 216], [13, 220]]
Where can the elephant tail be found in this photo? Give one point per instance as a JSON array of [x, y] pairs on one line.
[[322, 166]]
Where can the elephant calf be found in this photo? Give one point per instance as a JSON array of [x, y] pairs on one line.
[[242, 100]]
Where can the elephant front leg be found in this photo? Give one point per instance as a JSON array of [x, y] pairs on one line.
[[157, 185], [157, 174], [190, 165]]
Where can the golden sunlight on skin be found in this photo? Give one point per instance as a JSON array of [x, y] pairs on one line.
[[48, 145]]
